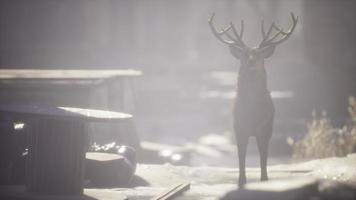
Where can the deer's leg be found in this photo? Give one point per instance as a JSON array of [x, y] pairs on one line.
[[262, 144], [241, 147]]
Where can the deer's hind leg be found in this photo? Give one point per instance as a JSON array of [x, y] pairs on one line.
[[241, 147], [262, 143]]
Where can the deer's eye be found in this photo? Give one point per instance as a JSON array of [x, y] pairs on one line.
[[237, 52]]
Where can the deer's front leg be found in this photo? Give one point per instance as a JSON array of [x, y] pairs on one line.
[[241, 147], [262, 143]]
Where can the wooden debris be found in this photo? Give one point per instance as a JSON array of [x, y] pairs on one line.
[[173, 192]]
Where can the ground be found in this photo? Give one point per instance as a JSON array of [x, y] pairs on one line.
[[214, 182], [287, 180]]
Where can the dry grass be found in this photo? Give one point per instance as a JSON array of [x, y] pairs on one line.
[[324, 140]]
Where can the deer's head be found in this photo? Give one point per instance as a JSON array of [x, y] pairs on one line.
[[252, 58]]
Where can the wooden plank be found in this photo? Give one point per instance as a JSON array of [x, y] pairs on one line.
[[173, 192], [62, 112], [42, 74]]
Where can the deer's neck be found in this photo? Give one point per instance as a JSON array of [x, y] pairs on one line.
[[252, 82]]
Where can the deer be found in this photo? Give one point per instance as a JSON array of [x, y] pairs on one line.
[[253, 112]]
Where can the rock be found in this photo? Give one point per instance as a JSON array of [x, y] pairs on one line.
[[291, 189], [335, 190], [129, 153], [108, 170]]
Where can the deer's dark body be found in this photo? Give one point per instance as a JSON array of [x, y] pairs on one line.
[[253, 116], [253, 109]]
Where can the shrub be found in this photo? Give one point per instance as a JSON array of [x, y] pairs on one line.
[[324, 140]]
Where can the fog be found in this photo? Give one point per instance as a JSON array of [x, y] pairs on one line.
[[189, 77]]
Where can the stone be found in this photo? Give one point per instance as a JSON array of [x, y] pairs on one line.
[[108, 170], [336, 190]]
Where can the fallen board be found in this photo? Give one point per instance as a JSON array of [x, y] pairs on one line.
[[173, 192], [58, 74]]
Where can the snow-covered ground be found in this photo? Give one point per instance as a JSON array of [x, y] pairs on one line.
[[214, 182]]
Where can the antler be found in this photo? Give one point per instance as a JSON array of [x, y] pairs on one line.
[[233, 41], [269, 41]]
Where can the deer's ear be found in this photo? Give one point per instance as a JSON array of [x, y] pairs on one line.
[[267, 51], [237, 52]]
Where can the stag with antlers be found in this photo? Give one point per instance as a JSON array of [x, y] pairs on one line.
[[253, 108]]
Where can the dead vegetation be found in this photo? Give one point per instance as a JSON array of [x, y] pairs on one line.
[[325, 140]]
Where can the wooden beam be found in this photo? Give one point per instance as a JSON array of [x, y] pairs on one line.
[[173, 192]]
